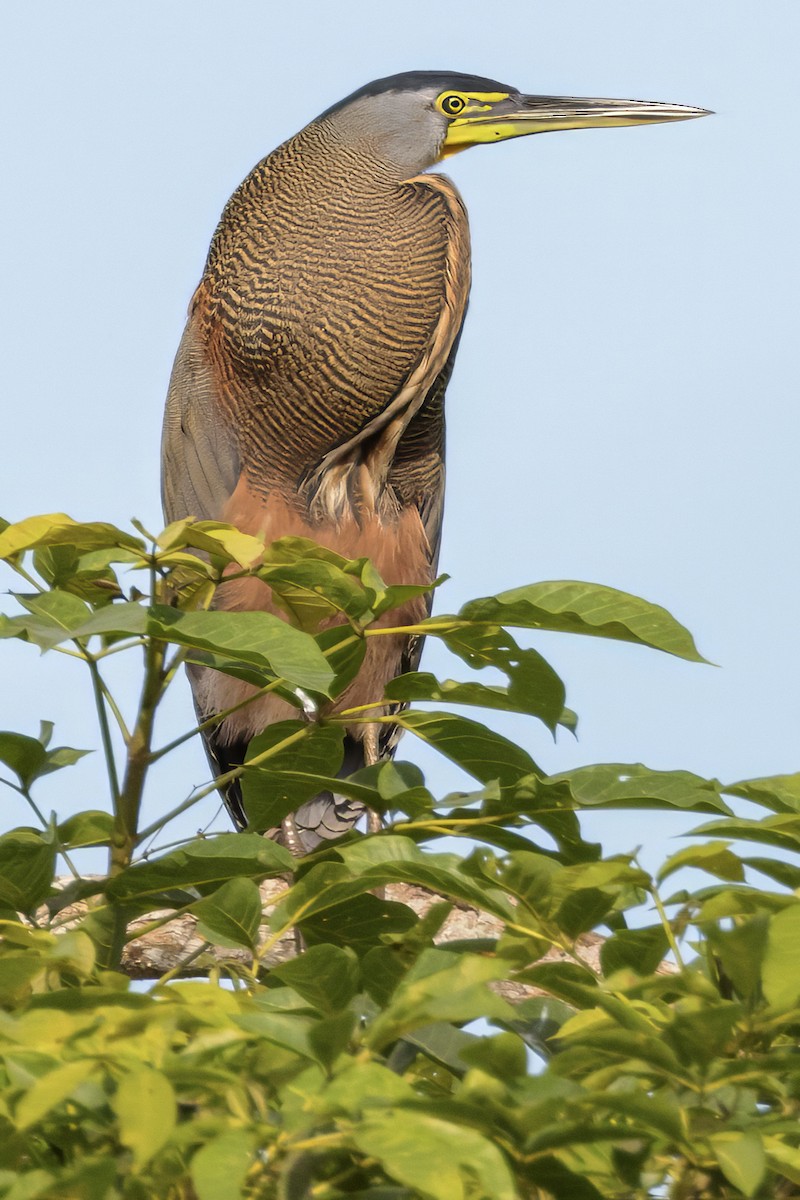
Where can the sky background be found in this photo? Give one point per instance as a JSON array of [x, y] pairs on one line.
[[624, 407]]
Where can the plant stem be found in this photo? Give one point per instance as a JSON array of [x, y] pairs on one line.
[[138, 760], [105, 732], [215, 719], [673, 943]]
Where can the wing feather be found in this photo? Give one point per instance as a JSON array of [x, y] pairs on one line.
[[199, 459]]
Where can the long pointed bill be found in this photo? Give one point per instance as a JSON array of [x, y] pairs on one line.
[[518, 116]]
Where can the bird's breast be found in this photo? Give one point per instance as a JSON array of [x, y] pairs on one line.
[[322, 296]]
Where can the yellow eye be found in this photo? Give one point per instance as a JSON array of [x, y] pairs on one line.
[[452, 104]]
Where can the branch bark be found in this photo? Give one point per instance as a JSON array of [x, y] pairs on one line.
[[163, 950]]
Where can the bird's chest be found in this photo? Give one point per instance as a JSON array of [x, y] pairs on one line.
[[326, 304], [338, 276]]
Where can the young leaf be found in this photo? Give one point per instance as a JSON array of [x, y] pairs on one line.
[[29, 757], [57, 529]]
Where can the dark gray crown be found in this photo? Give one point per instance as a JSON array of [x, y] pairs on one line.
[[412, 81]]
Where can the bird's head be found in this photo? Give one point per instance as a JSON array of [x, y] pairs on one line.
[[418, 118]]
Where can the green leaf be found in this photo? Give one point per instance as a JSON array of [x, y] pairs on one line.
[[433, 1156], [27, 866], [360, 923], [88, 576], [539, 1020], [783, 1158], [479, 751], [89, 828], [123, 619], [392, 858], [323, 886], [288, 1030], [535, 689], [219, 1167], [231, 915], [344, 651], [56, 529], [258, 638], [715, 857], [332, 1037], [146, 1111], [46, 631], [588, 608], [780, 975], [741, 1159], [782, 872], [313, 591], [699, 1038], [370, 863], [30, 1186], [51, 1089], [629, 785], [440, 986], [202, 863], [639, 950], [782, 831], [327, 976], [533, 684], [25, 756], [224, 544], [503, 1055], [61, 611], [29, 757], [288, 777], [559, 1182], [18, 972], [781, 793]]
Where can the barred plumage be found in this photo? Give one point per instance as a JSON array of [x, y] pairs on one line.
[[307, 395]]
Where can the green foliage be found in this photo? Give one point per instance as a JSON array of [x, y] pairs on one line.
[[352, 1069]]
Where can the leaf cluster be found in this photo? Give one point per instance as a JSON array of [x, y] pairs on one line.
[[665, 1063]]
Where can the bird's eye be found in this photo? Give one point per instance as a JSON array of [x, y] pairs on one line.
[[452, 105]]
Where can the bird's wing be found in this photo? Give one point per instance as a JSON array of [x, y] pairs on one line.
[[199, 471], [199, 459]]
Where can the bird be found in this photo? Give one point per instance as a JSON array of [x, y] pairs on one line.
[[307, 394]]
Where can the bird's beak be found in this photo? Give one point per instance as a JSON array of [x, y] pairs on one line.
[[518, 116]]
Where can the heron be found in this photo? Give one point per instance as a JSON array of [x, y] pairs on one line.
[[307, 395]]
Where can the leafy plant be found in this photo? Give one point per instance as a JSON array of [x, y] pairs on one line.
[[352, 1069]]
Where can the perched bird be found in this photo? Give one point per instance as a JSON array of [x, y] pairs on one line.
[[307, 396]]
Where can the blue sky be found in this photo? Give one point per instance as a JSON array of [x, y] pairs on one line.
[[624, 408]]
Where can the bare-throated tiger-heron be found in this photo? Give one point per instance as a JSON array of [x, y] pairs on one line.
[[307, 396]]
